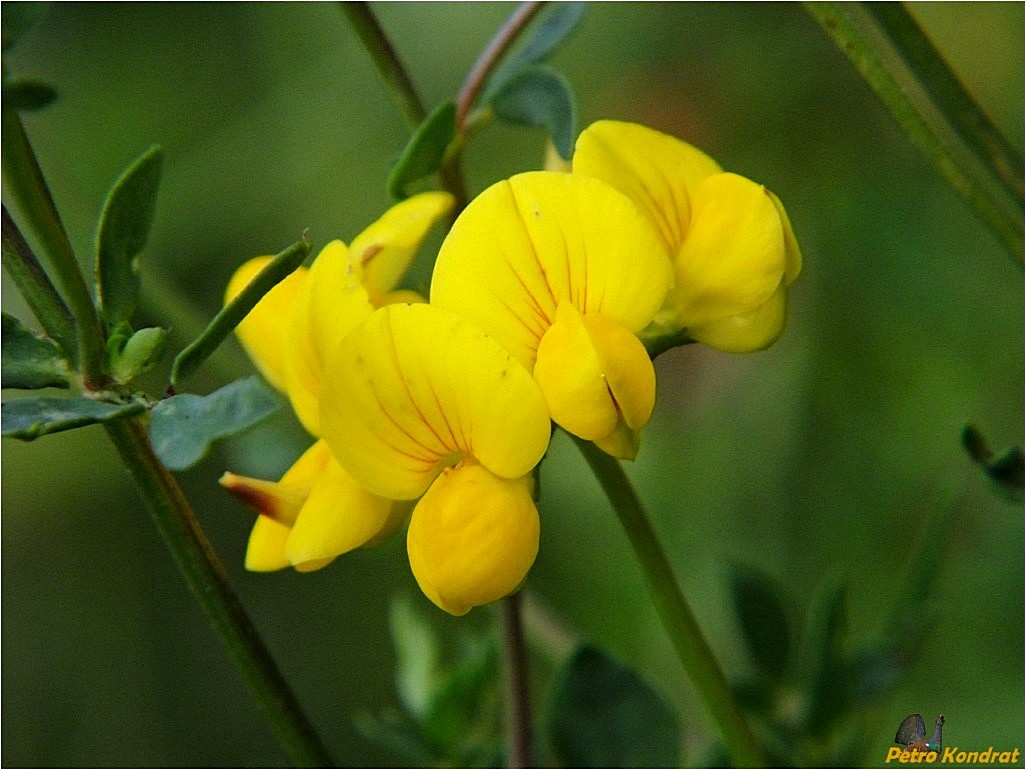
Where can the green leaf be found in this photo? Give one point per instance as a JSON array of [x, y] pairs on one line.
[[31, 360], [763, 620], [425, 152], [397, 733], [540, 96], [22, 94], [456, 722], [824, 669], [18, 18], [183, 427], [554, 24], [197, 351], [29, 418], [121, 235], [604, 715], [417, 656]]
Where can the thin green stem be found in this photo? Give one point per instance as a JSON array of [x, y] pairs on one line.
[[207, 579], [854, 31], [674, 611], [36, 288], [962, 111], [490, 58], [401, 87], [399, 84], [518, 707], [24, 180]]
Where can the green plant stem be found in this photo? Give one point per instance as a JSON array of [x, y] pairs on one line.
[[674, 611], [400, 86], [25, 182], [854, 30], [965, 115], [206, 577], [490, 58], [518, 707], [34, 285]]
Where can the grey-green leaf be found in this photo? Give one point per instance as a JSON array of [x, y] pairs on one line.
[[763, 620], [540, 96], [425, 152], [121, 235], [183, 427], [31, 360], [417, 656], [30, 418], [554, 24], [604, 715]]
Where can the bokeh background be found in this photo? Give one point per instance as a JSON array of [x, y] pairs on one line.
[[819, 457]]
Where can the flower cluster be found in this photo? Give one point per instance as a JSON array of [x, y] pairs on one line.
[[541, 296]]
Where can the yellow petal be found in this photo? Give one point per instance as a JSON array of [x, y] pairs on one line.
[[528, 243], [747, 332], [414, 388], [339, 515], [793, 254], [733, 256], [278, 504], [472, 538], [595, 375], [264, 331], [266, 549], [383, 252], [331, 302], [655, 170]]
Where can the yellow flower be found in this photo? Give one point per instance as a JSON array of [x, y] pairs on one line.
[[733, 250], [317, 511], [563, 270], [419, 401]]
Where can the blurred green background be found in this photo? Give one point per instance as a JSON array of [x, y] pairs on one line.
[[821, 456]]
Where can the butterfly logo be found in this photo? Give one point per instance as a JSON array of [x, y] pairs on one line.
[[912, 733]]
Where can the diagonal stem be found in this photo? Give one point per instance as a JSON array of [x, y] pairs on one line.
[[209, 583], [674, 611]]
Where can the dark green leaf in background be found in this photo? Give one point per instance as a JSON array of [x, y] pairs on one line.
[[604, 715], [824, 668], [425, 152], [29, 418], [762, 618], [31, 360], [1005, 470], [18, 18], [540, 96], [121, 235], [24, 94], [184, 427]]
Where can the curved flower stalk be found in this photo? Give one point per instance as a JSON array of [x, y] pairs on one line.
[[316, 511], [563, 270], [731, 243], [419, 402]]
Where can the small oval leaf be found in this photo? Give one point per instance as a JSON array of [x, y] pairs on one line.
[[425, 152], [121, 235], [30, 418], [183, 427], [540, 96], [604, 715], [31, 360]]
